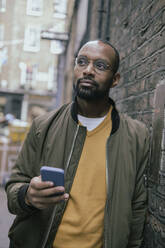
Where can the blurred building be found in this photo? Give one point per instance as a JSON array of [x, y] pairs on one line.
[[32, 35]]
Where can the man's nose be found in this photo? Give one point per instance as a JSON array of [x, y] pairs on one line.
[[89, 69]]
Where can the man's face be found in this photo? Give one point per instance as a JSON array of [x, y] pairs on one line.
[[93, 71]]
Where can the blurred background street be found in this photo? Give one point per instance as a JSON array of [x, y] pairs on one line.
[[6, 220]]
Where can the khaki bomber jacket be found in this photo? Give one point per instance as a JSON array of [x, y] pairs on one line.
[[56, 139]]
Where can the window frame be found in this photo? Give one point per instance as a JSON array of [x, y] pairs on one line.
[[27, 47], [60, 9], [2, 34], [33, 12], [2, 5]]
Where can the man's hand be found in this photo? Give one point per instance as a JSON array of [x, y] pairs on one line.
[[39, 194]]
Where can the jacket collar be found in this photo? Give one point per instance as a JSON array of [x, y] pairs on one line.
[[115, 114]]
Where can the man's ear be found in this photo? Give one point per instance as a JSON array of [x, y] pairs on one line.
[[116, 80]]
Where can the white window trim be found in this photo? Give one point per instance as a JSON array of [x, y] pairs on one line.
[[28, 47], [60, 9], [2, 31], [52, 79], [31, 11], [56, 47], [3, 6]]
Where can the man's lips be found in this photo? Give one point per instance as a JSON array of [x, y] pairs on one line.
[[87, 82]]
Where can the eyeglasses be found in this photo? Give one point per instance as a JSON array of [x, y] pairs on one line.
[[99, 65]]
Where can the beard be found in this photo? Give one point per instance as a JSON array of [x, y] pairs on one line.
[[89, 93]]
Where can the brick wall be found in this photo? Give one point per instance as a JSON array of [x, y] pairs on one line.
[[137, 29]]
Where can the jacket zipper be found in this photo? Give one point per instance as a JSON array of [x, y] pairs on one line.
[[54, 209], [74, 139]]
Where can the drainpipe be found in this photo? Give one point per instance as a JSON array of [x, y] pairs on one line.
[[107, 32], [101, 11]]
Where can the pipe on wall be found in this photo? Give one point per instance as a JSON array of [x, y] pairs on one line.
[[107, 31], [104, 10], [100, 16]]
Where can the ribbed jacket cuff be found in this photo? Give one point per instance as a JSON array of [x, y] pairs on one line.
[[21, 199]]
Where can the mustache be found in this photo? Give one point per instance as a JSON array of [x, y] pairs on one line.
[[93, 82]]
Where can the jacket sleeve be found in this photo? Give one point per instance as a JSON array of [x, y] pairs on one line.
[[139, 201], [22, 172]]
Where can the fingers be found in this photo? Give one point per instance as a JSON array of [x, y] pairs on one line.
[[49, 191], [42, 202], [38, 184], [42, 194]]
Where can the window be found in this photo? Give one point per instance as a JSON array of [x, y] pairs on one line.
[[2, 5], [59, 26], [22, 67], [60, 9], [32, 78], [1, 35], [28, 75], [3, 57], [32, 39], [52, 79], [31, 74], [56, 47], [34, 7]]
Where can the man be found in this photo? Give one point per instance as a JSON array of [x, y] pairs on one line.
[[104, 156]]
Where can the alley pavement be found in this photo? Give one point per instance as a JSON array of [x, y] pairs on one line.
[[6, 220]]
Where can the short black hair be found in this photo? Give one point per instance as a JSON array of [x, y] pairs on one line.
[[117, 56]]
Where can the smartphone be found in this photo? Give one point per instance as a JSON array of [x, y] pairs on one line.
[[52, 174]]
